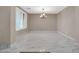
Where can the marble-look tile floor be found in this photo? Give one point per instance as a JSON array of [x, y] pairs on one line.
[[43, 42]]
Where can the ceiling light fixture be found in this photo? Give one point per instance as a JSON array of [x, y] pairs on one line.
[[43, 14]]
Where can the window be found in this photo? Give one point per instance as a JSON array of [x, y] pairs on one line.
[[21, 19]]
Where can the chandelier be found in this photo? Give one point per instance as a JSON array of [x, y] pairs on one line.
[[43, 14]]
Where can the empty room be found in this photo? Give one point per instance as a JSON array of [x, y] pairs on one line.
[[39, 29]]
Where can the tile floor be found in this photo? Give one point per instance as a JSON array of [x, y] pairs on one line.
[[44, 41]]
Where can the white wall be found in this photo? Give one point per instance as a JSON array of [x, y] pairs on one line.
[[68, 22], [7, 26], [4, 27], [12, 24], [37, 24]]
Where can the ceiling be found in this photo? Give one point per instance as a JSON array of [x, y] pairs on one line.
[[47, 9]]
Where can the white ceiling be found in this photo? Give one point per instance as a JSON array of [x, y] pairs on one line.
[[38, 9]]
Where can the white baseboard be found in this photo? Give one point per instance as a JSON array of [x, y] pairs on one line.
[[43, 31], [67, 36]]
